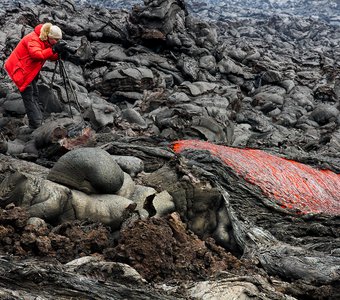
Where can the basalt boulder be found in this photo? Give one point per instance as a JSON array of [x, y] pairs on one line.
[[91, 170]]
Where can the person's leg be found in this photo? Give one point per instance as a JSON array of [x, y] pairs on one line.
[[33, 111], [36, 94]]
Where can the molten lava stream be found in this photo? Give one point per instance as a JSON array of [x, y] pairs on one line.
[[291, 184]]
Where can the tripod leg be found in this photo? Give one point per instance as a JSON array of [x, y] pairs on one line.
[[63, 75], [54, 71], [66, 77]]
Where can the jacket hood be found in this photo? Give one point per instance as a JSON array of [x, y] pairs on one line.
[[37, 29]]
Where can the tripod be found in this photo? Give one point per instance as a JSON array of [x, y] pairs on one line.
[[66, 80]]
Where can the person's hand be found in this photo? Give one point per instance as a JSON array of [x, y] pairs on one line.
[[59, 47]]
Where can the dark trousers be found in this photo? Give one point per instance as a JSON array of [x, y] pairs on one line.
[[30, 96]]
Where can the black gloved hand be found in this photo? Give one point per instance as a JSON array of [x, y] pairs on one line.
[[59, 47]]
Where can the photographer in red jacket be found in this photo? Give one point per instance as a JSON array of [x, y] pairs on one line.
[[26, 61]]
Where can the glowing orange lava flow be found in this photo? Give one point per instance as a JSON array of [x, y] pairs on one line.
[[291, 184]]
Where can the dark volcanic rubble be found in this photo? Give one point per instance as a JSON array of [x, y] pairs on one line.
[[143, 79], [270, 83]]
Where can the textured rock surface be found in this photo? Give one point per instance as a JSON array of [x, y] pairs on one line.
[[91, 170], [248, 76]]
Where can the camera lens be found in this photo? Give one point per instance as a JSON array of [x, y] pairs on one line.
[[70, 49]]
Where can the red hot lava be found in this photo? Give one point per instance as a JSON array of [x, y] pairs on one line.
[[291, 184]]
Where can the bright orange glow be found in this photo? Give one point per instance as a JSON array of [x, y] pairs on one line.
[[291, 184]]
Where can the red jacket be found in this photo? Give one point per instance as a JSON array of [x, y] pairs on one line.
[[27, 59]]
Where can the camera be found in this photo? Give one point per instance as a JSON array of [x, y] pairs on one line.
[[68, 48], [62, 47]]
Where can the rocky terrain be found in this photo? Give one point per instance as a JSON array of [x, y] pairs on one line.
[[327, 10], [193, 154]]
